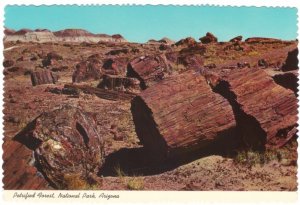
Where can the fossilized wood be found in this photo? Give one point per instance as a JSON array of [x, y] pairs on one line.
[[148, 69], [102, 93], [181, 115], [64, 142], [121, 83], [271, 107], [43, 77], [19, 171]]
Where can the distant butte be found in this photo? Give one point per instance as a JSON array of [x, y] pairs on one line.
[[67, 35]]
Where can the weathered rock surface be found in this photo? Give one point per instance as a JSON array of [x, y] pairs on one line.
[[148, 70], [43, 77], [66, 143], [181, 115], [208, 38], [236, 39], [8, 63], [189, 41], [266, 112], [87, 70]]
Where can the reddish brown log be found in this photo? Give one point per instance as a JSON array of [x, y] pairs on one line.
[[181, 115], [18, 169], [254, 95], [101, 93], [43, 77], [148, 70], [65, 142]]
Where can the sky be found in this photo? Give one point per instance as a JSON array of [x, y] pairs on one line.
[[141, 23]]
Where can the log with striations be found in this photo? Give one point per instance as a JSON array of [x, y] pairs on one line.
[[181, 115]]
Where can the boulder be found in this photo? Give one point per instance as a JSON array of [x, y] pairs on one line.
[[66, 143], [262, 63], [189, 41], [236, 39], [8, 63], [43, 77], [208, 38], [190, 61], [87, 70]]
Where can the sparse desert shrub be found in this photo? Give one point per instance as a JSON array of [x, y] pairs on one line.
[[252, 158], [75, 182], [136, 183], [253, 53], [132, 183]]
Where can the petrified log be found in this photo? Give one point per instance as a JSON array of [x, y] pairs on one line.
[[181, 115], [65, 143], [102, 93], [19, 171], [265, 112], [148, 70], [114, 82], [87, 70], [116, 66], [43, 77]]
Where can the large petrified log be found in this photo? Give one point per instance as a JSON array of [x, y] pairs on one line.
[[181, 115], [148, 70], [19, 171], [43, 77], [66, 144], [266, 112]]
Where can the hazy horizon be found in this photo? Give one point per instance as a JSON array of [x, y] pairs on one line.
[[141, 23]]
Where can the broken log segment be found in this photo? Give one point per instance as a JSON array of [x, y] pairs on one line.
[[43, 77], [119, 83], [181, 115], [148, 69], [102, 93], [264, 109]]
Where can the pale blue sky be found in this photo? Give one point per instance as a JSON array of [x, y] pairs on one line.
[[141, 23]]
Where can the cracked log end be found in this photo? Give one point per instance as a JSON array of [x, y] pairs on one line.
[[66, 143]]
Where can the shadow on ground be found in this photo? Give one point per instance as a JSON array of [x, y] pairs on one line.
[[138, 161]]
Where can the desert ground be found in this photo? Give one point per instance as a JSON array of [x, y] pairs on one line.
[[103, 79]]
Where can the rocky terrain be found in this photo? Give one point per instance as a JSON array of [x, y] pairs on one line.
[[91, 111]]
